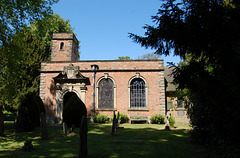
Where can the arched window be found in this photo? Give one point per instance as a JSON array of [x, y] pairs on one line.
[[106, 93], [62, 46], [137, 93]]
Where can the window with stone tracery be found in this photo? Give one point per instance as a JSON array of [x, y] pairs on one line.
[[105, 94], [137, 93]]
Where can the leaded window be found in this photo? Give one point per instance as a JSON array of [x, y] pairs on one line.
[[137, 93], [106, 93]]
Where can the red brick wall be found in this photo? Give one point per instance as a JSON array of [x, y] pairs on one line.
[[121, 72], [70, 49]]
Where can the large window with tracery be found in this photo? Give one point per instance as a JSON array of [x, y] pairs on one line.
[[105, 93], [137, 93]]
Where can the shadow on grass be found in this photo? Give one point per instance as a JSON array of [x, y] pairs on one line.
[[131, 141], [150, 142]]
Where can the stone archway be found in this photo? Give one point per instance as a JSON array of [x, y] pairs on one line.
[[73, 109], [69, 80]]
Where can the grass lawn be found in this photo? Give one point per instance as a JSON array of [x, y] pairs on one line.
[[134, 140]]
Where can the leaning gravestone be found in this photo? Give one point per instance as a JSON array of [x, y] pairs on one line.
[[44, 132], [83, 151]]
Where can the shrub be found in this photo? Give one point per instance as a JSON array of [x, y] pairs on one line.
[[40, 104], [123, 118], [100, 118], [157, 119], [171, 121], [73, 111], [137, 117], [29, 113]]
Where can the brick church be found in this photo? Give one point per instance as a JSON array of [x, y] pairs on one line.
[[133, 87]]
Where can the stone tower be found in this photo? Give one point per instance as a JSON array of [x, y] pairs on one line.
[[64, 47]]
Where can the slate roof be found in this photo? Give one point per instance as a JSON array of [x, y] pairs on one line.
[[169, 79]]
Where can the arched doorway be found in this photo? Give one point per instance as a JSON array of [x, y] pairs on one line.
[[70, 82], [73, 109]]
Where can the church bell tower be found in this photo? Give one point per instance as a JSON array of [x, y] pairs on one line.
[[64, 47]]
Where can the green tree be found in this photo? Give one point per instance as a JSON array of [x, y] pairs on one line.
[[207, 32], [21, 74], [28, 48], [149, 56], [43, 29], [13, 17], [22, 57], [15, 14], [124, 58]]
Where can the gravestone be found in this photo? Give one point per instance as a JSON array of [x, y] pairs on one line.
[[167, 128], [64, 129], [114, 124], [20, 123], [44, 132], [117, 121], [83, 151], [181, 113]]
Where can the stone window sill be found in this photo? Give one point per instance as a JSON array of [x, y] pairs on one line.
[[106, 109], [138, 109]]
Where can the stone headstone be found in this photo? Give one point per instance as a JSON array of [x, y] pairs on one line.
[[44, 132], [64, 129], [181, 113], [167, 128], [20, 123], [117, 121], [114, 124], [83, 151]]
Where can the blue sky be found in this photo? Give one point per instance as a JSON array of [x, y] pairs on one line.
[[102, 26]]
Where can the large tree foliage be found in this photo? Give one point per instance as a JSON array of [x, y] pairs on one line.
[[14, 14], [207, 32], [21, 66], [43, 29], [149, 56]]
